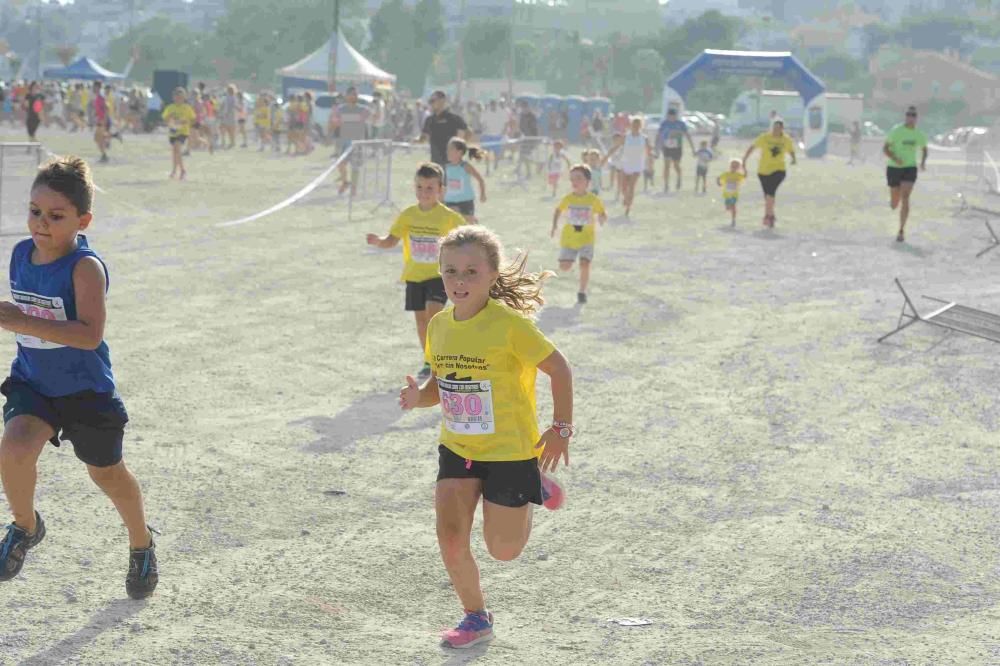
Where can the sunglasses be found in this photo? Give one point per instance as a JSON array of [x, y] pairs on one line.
[[911, 115]]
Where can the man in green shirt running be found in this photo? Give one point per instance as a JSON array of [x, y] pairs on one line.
[[901, 148]]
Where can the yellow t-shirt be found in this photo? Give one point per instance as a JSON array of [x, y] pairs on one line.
[[179, 118], [731, 184], [420, 232], [485, 369], [262, 116], [579, 215], [772, 152]]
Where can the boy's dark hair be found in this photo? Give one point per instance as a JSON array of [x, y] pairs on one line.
[[431, 170], [582, 168], [70, 177], [474, 152]]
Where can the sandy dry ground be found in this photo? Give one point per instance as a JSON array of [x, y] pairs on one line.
[[754, 474]]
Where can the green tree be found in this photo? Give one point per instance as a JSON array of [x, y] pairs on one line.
[[935, 32], [835, 66], [161, 44], [406, 40], [260, 36]]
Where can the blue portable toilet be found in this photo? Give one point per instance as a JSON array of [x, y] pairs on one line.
[[575, 106], [550, 104]]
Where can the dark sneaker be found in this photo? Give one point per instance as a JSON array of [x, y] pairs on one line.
[[900, 238], [425, 372], [15, 546], [581, 298], [143, 574]]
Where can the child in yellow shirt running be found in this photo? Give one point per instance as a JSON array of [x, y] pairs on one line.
[[730, 182], [485, 352], [179, 116], [578, 235], [420, 227]]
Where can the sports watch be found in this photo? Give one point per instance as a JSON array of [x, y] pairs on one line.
[[563, 429]]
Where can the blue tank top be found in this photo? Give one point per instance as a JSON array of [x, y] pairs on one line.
[[46, 291], [457, 183]]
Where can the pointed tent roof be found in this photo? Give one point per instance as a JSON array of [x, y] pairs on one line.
[[83, 69], [351, 65]]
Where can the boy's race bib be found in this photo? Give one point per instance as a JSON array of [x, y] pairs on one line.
[[424, 249], [673, 141], [578, 215], [467, 406], [43, 307], [732, 186]]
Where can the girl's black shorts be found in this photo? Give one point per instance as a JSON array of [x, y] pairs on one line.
[[771, 182], [507, 483]]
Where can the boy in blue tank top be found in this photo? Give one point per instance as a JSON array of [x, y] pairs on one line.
[[61, 384]]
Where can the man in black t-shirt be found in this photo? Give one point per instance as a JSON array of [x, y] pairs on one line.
[[440, 127]]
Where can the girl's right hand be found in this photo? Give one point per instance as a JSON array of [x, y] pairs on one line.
[[372, 239], [409, 395]]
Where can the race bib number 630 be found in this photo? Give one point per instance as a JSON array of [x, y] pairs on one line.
[[467, 406]]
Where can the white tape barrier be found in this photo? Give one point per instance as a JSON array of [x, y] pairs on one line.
[[946, 149], [996, 172], [292, 199]]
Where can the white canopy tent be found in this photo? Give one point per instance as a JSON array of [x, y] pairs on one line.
[[313, 71]]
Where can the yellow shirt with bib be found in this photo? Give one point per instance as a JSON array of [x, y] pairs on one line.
[[485, 369], [420, 231], [579, 216]]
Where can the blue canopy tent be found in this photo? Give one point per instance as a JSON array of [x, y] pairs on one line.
[[757, 64], [83, 69]]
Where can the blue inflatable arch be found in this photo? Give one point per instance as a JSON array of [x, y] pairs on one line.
[[758, 64]]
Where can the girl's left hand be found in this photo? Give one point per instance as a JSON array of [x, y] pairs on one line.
[[555, 448], [482, 198]]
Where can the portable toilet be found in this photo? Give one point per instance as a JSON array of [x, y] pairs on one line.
[[550, 105], [575, 106]]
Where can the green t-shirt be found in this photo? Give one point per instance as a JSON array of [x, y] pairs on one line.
[[904, 143]]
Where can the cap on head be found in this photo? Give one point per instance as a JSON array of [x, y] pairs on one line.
[[436, 95]]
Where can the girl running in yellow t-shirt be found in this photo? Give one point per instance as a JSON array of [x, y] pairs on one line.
[[484, 352]]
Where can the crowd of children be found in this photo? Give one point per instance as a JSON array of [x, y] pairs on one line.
[[480, 355]]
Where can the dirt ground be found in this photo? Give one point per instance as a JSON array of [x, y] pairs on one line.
[[754, 475]]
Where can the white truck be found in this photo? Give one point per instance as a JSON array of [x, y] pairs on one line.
[[751, 110]]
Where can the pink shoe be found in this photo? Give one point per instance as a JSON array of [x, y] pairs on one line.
[[476, 627], [553, 495]]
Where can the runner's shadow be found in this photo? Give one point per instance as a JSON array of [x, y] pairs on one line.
[[906, 248], [115, 613], [467, 656], [767, 234], [372, 414], [551, 318], [620, 220]]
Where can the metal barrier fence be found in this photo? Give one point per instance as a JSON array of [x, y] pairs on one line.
[[18, 165]]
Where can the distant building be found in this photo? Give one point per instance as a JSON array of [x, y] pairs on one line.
[[919, 77]]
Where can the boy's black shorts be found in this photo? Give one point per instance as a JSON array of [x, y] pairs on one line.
[[507, 483], [93, 422], [419, 294]]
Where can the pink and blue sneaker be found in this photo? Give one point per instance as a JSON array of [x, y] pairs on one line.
[[476, 627], [553, 495]]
